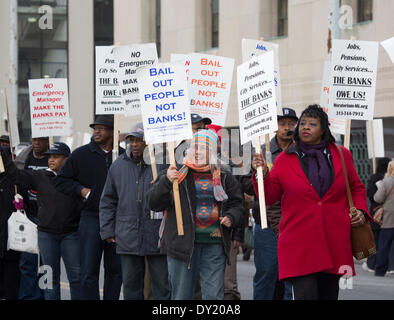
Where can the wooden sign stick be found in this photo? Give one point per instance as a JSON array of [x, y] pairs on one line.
[[260, 181], [9, 131], [115, 151], [177, 200], [372, 146], [346, 143], [2, 169], [153, 161]]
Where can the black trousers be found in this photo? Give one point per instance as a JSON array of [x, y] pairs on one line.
[[316, 286], [9, 279]]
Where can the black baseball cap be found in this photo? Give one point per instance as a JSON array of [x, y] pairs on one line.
[[59, 148], [197, 118], [137, 131], [105, 120], [5, 138], [288, 113]]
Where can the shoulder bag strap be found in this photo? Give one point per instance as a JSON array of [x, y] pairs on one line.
[[353, 209]]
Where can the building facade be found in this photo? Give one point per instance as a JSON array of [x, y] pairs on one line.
[[300, 27]]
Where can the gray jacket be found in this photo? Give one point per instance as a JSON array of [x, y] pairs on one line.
[[384, 188], [124, 214]]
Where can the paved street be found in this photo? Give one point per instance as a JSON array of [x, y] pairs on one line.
[[365, 285]]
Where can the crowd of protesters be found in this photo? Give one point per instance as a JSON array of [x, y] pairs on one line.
[[87, 208]]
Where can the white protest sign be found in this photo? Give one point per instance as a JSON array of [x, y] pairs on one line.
[[49, 109], [184, 58], [209, 86], [128, 59], [378, 140], [256, 97], [108, 94], [164, 103], [252, 48], [388, 45], [12, 119], [353, 79], [336, 125]]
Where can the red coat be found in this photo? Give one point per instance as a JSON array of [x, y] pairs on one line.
[[314, 233]]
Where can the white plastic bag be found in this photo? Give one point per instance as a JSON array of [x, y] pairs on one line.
[[22, 233]]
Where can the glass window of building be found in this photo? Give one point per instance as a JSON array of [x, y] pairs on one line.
[[103, 22], [42, 50], [282, 18], [365, 10], [215, 23]]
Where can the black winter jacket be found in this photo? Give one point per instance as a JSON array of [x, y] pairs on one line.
[[86, 167], [7, 193], [57, 212], [124, 214], [181, 247]]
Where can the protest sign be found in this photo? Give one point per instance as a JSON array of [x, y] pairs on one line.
[[375, 145], [336, 125], [209, 86], [128, 59], [108, 93], [257, 109], [49, 109], [164, 103], [251, 48], [166, 112], [353, 79], [185, 59], [388, 45], [256, 97]]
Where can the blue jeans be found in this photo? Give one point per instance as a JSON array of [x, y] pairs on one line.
[[209, 261], [386, 239], [266, 263], [92, 248], [28, 267], [52, 248], [133, 271]]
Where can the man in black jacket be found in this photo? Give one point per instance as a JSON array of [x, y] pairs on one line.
[[58, 219], [32, 158], [9, 260], [126, 220], [83, 176]]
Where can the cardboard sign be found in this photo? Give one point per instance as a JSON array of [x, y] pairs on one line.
[[108, 94], [185, 59], [49, 109], [378, 140], [164, 103], [252, 48], [128, 59], [256, 97], [336, 125], [388, 45], [353, 79], [209, 86]]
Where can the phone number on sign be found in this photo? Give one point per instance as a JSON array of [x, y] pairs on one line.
[[350, 113]]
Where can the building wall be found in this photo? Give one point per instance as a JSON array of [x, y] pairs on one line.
[[185, 26]]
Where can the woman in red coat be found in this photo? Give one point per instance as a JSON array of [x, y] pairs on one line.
[[314, 246]]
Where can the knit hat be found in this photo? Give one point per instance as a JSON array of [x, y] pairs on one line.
[[210, 139]]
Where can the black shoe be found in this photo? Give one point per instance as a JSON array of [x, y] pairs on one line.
[[247, 253]]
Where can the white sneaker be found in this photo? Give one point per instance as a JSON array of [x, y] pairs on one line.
[[390, 272], [364, 266]]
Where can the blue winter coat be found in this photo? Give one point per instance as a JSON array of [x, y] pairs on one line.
[[124, 213]]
